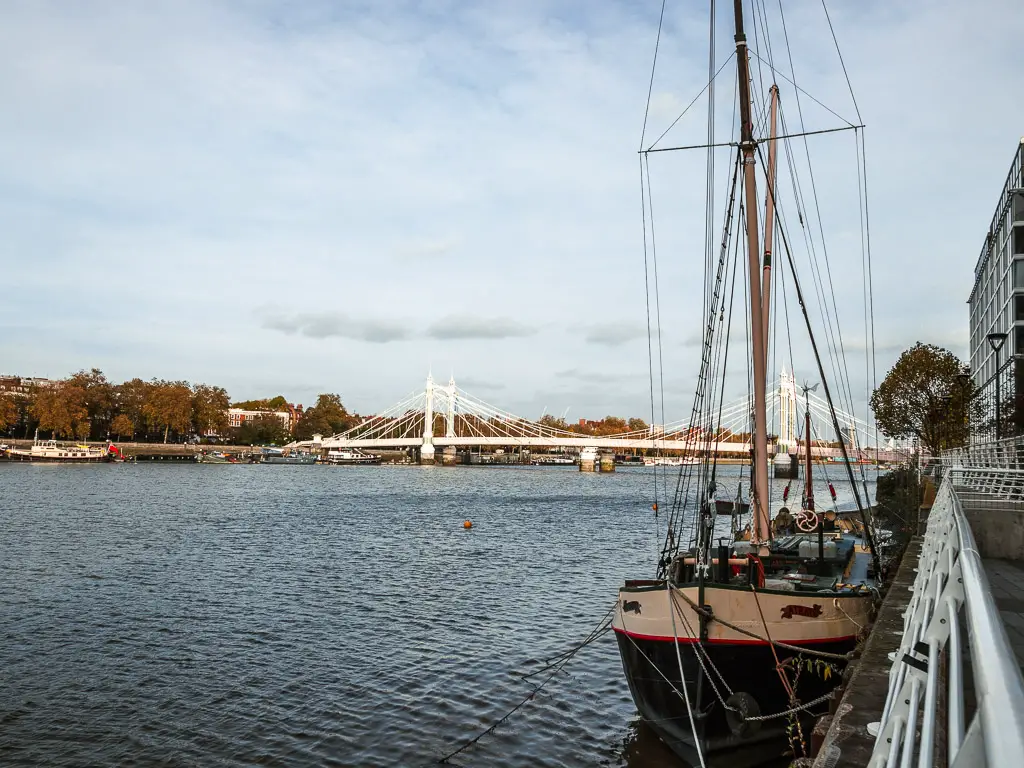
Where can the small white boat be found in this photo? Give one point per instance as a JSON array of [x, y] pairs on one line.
[[670, 461], [354, 456], [546, 459]]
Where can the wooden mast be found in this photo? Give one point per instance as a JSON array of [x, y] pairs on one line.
[[769, 221], [759, 498]]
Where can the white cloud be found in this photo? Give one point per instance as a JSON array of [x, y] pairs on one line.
[[381, 169]]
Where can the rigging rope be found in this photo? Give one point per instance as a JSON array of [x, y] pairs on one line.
[[843, 63], [657, 310], [828, 396], [650, 350], [654, 64], [682, 675]]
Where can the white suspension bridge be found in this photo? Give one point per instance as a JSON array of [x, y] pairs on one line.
[[448, 417]]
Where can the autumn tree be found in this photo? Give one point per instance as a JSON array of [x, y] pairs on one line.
[[926, 395], [637, 425], [99, 400], [61, 409], [278, 403], [553, 422], [265, 429], [611, 425], [8, 413], [168, 405], [209, 409], [122, 426], [130, 399], [327, 417]]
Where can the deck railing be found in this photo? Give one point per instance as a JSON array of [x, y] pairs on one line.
[[951, 592]]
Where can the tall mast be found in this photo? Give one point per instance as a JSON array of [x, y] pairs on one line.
[[809, 491], [759, 498], [769, 221]]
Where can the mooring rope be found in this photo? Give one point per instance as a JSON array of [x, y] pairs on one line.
[[556, 667]]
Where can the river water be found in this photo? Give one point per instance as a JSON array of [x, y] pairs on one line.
[[298, 616]]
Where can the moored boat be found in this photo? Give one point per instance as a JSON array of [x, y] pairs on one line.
[[57, 452], [670, 461], [216, 457], [350, 456], [294, 457], [733, 649]]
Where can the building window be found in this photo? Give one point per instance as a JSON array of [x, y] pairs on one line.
[[1018, 239], [1018, 274], [1018, 341]]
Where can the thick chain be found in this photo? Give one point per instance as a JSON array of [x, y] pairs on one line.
[[793, 711]]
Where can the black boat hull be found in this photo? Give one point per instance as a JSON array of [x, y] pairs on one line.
[[744, 667]]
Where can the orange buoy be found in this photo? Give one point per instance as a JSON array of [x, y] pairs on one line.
[[467, 525], [654, 506]]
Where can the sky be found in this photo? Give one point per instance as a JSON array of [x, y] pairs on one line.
[[294, 198]]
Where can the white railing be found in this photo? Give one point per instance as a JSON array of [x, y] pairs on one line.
[[995, 469], [950, 576]]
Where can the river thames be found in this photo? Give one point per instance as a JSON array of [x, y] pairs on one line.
[[313, 615]]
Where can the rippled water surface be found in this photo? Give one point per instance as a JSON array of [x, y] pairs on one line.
[[291, 615]]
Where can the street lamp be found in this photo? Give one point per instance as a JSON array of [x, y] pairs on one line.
[[996, 341]]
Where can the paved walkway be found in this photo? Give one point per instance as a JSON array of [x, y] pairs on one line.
[[1007, 580]]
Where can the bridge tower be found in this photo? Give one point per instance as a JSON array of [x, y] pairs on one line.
[[787, 412], [450, 420], [427, 449]]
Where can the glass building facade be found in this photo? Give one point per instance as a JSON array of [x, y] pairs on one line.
[[997, 299]]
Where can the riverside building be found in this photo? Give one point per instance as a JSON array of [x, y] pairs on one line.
[[997, 299]]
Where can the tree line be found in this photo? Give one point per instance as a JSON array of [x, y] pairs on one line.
[[87, 406]]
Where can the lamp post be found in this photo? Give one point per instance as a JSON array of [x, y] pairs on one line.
[[996, 341]]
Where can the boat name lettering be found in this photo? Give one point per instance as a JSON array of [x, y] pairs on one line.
[[813, 611]]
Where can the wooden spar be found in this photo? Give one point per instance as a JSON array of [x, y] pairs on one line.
[[769, 222], [759, 497]]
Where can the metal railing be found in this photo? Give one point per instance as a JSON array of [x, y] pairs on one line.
[[950, 576]]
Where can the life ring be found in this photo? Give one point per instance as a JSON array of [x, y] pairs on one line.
[[807, 521]]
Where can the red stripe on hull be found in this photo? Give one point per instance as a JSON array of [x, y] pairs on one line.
[[712, 641]]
